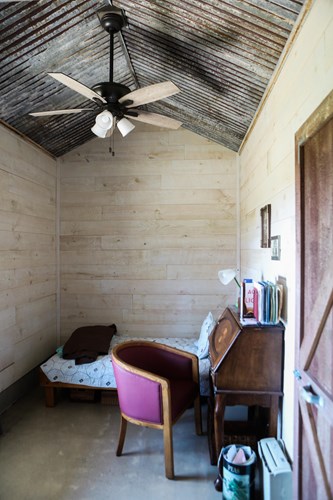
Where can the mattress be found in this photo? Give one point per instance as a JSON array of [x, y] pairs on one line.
[[99, 374]]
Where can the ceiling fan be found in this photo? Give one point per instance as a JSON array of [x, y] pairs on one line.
[[117, 101]]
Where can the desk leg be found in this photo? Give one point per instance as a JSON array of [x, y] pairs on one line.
[[219, 423], [273, 416], [210, 430]]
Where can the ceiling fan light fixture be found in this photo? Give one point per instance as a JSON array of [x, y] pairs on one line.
[[117, 99], [103, 123], [125, 126]]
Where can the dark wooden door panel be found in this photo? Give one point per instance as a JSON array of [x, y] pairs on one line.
[[314, 349]]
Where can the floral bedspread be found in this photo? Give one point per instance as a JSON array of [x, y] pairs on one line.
[[100, 374]]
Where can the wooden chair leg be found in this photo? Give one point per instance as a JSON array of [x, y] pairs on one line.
[[197, 415], [122, 433], [168, 451]]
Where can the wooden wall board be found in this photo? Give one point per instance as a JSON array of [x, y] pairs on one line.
[[152, 225], [28, 268]]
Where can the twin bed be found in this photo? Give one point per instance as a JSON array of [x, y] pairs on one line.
[[58, 372]]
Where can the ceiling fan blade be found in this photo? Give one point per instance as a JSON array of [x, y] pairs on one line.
[[77, 86], [150, 94], [60, 112], [156, 119]]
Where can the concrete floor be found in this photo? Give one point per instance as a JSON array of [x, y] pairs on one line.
[[68, 452]]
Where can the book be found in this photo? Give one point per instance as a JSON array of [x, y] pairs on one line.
[[247, 301], [258, 301], [262, 301]]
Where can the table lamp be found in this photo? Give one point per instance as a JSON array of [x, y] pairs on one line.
[[227, 275]]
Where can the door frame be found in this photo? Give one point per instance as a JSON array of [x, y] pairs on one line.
[[316, 120]]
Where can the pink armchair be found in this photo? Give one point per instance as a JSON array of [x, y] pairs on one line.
[[155, 384]]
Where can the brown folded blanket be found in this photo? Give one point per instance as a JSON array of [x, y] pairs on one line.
[[87, 342]]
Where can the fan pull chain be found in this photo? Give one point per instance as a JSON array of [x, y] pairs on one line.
[[111, 148]]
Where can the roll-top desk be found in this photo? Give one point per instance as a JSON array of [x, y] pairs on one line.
[[246, 369]]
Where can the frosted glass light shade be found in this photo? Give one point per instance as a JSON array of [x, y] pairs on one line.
[[227, 275], [125, 126], [103, 124]]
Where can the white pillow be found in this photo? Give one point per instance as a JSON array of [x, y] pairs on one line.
[[206, 329]]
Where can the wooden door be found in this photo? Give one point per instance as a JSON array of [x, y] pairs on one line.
[[313, 460]]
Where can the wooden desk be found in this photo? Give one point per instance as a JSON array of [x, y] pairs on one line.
[[247, 369]]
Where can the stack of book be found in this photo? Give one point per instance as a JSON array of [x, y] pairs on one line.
[[261, 301]]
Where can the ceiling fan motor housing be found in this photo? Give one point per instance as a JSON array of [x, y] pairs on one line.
[[111, 91]]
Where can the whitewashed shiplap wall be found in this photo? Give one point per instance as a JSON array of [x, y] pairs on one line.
[[144, 233], [27, 257], [268, 170]]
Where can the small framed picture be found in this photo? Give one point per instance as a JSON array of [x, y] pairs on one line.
[[265, 215], [275, 248]]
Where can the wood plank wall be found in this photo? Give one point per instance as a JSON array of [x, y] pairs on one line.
[[27, 257], [144, 232], [268, 172]]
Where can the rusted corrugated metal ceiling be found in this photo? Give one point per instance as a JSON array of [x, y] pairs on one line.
[[220, 53]]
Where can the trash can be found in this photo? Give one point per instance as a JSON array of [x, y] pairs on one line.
[[238, 475]]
